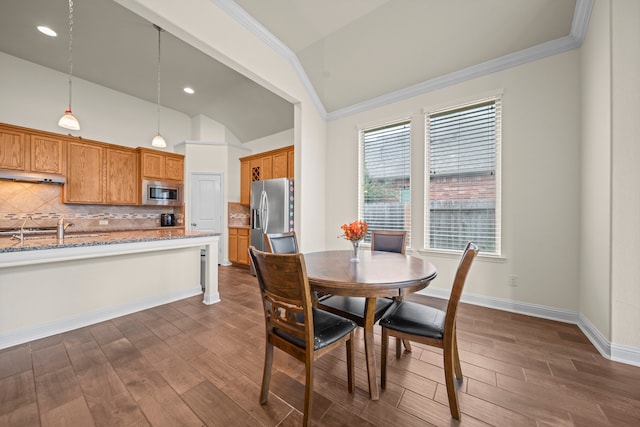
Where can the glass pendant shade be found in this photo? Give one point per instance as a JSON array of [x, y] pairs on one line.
[[158, 141], [68, 121]]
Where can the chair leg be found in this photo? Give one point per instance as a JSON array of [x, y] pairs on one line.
[[456, 357], [308, 393], [383, 357], [350, 365], [266, 374], [407, 345], [452, 393]]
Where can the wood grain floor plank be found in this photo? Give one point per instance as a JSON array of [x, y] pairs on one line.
[[72, 413], [215, 408], [15, 360], [49, 359], [163, 407]]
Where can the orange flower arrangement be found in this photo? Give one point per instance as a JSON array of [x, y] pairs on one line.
[[357, 230]]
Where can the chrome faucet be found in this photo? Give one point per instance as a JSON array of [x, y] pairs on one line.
[[62, 227]]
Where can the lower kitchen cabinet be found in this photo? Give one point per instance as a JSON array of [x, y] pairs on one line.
[[239, 245]]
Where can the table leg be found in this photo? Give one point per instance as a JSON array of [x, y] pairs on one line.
[[369, 347]]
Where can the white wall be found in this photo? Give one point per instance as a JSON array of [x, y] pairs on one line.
[[36, 97], [595, 231], [625, 197], [271, 142], [540, 180]]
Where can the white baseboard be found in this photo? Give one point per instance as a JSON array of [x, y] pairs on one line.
[[86, 319], [615, 352]]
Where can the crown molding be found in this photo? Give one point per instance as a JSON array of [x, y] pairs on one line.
[[579, 24]]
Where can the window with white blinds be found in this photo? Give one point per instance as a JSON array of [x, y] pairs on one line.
[[463, 191], [385, 181]]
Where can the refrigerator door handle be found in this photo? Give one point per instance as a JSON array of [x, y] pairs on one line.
[[264, 203]]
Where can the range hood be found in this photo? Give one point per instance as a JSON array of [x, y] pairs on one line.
[[41, 178]]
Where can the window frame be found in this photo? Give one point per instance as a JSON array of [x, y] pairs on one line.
[[497, 99], [361, 169]]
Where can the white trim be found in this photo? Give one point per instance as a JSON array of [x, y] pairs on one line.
[[608, 350], [579, 24], [86, 319]]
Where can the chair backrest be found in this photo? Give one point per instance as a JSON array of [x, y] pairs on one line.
[[282, 243], [470, 252], [286, 297], [388, 240]]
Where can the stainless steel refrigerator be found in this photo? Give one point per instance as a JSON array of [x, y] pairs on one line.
[[271, 209]]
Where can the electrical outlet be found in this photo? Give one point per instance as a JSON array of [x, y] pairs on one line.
[[512, 280], [103, 222]]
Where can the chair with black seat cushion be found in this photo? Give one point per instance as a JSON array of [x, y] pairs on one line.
[[353, 307], [388, 240], [282, 243], [423, 324], [292, 323]]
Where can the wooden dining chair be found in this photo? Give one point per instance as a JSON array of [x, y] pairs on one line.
[[281, 243], [293, 325], [389, 240], [353, 307], [427, 325]]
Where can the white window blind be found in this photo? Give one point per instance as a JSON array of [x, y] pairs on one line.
[[463, 146], [385, 184]]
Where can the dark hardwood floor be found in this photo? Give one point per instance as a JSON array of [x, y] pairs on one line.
[[188, 364]]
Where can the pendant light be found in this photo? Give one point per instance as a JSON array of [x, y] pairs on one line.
[[158, 140], [68, 121]]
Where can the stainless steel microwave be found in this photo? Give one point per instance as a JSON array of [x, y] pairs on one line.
[[162, 193]]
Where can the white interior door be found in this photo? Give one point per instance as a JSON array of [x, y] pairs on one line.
[[207, 204]]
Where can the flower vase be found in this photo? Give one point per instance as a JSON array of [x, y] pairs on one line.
[[355, 256]]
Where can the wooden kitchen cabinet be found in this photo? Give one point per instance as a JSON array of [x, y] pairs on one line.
[[47, 154], [85, 173], [122, 184], [239, 245], [291, 159], [245, 183], [160, 166], [280, 165], [14, 149], [258, 167], [31, 151]]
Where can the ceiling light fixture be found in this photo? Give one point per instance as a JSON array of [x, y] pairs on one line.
[[158, 140], [188, 90], [68, 121], [47, 31]]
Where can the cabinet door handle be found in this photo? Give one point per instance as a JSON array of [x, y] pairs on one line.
[[193, 224]]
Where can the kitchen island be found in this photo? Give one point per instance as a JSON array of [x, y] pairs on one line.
[[49, 286]]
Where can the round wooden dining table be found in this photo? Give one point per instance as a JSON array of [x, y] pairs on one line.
[[377, 274]]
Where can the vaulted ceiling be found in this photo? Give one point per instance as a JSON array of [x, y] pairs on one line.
[[353, 53]]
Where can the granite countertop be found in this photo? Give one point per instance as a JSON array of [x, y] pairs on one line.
[[239, 226], [36, 242]]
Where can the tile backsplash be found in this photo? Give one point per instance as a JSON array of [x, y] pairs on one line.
[[40, 205], [238, 215]]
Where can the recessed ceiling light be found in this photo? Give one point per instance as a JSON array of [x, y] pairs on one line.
[[189, 90], [47, 31]]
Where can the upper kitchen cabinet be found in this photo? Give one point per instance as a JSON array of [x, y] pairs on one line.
[[160, 166], [268, 165], [121, 176], [31, 151], [14, 148], [85, 173], [101, 174], [47, 154]]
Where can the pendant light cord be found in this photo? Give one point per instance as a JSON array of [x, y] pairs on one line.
[[158, 104], [70, 48]]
